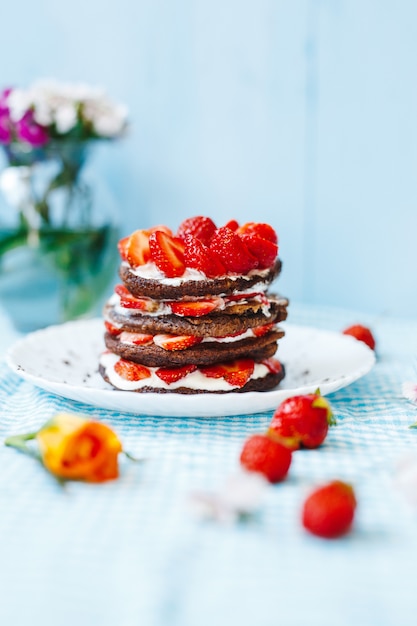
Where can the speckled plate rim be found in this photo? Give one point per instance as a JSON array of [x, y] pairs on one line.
[[63, 360]]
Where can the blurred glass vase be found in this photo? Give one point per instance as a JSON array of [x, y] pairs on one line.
[[58, 234]]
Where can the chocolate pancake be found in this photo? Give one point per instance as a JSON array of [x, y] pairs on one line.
[[205, 353], [160, 290], [235, 319], [266, 383]]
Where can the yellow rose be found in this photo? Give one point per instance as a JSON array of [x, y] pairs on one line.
[[75, 448]]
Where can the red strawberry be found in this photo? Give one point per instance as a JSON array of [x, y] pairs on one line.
[[164, 229], [200, 257], [265, 231], [242, 296], [167, 253], [273, 365], [329, 511], [202, 228], [130, 370], [195, 308], [122, 247], [130, 301], [112, 330], [362, 333], [270, 458], [259, 331], [137, 248], [176, 373], [262, 249], [236, 373], [302, 421], [233, 225], [232, 251], [138, 339], [176, 342]]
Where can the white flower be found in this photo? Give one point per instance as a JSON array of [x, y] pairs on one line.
[[19, 101], [65, 117], [15, 185], [59, 104], [240, 496], [108, 120]]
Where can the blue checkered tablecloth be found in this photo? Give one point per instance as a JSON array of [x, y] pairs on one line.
[[132, 553]]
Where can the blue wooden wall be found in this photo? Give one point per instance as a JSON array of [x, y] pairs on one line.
[[302, 113]]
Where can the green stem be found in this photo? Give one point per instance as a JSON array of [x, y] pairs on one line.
[[132, 458], [19, 442]]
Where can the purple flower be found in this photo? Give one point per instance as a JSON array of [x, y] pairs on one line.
[[5, 121], [31, 132], [5, 127]]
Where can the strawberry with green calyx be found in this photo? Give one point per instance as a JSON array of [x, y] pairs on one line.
[[302, 421], [262, 454], [361, 333], [329, 511]]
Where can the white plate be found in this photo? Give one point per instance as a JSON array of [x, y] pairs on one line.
[[64, 360]]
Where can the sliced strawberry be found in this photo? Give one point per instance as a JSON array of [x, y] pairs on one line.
[[233, 225], [137, 250], [130, 370], [195, 308], [262, 249], [138, 339], [122, 247], [273, 365], [201, 228], [176, 342], [130, 301], [236, 373], [167, 253], [162, 227], [265, 231], [176, 373], [242, 296], [262, 330], [112, 330], [232, 251], [199, 257], [259, 295]]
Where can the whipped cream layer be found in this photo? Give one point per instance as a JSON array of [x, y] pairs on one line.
[[163, 307], [150, 271], [195, 380], [128, 338]]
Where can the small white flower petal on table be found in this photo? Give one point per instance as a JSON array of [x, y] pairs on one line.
[[405, 477], [409, 390], [240, 496]]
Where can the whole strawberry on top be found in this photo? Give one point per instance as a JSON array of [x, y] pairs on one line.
[[361, 333], [302, 421], [329, 511]]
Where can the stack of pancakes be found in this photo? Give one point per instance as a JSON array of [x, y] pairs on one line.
[[191, 333]]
